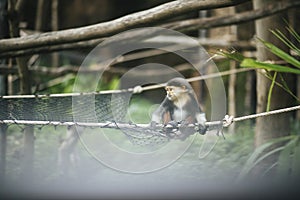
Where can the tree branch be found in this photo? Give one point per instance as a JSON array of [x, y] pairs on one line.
[[195, 24], [109, 28], [186, 25]]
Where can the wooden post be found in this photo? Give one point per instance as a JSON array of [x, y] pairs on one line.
[[231, 95], [268, 128], [25, 88], [275, 126], [3, 91], [54, 27], [3, 139], [245, 32], [227, 33], [40, 15]]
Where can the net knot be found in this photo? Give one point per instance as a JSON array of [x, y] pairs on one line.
[[137, 89], [228, 120]]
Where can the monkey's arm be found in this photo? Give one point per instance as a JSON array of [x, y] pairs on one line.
[[200, 119], [162, 113]]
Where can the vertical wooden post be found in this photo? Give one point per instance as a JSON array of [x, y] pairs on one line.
[[231, 95], [25, 88], [268, 128], [272, 126], [2, 153], [227, 33], [54, 27], [40, 16], [3, 91], [245, 31]]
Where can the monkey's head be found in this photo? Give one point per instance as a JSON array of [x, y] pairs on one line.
[[177, 88]]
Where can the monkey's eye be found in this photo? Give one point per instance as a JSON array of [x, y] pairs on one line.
[[175, 89], [169, 89]]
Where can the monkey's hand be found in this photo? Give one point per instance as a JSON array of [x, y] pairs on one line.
[[201, 128]]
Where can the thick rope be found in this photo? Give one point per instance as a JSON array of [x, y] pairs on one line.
[[224, 123], [264, 114]]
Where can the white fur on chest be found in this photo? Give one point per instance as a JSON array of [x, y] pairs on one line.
[[180, 114], [181, 101]]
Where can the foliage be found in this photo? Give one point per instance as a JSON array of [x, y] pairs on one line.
[[288, 148], [253, 63], [67, 83], [288, 162]]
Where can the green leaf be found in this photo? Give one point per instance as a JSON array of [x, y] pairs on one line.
[[286, 41], [285, 161], [256, 157], [281, 54], [232, 55], [296, 162], [270, 91], [251, 63], [294, 33]]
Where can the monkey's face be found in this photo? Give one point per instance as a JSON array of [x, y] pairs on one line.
[[175, 92]]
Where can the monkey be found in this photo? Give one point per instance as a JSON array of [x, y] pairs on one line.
[[179, 106]]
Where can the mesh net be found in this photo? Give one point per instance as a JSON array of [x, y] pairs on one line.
[[88, 108], [61, 109], [145, 136]]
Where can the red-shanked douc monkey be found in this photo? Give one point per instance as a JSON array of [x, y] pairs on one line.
[[180, 106]]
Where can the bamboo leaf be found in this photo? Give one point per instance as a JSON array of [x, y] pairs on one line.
[[285, 161], [285, 40], [232, 55], [256, 157], [281, 54], [296, 162], [294, 33], [251, 63], [283, 85], [270, 91]]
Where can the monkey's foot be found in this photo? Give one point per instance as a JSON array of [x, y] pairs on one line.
[[201, 129], [170, 127]]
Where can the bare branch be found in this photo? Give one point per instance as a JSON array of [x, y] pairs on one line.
[[105, 29], [245, 45], [186, 25], [195, 24]]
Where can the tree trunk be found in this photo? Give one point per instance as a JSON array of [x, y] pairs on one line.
[[277, 125]]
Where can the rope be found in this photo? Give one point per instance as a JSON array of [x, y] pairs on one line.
[[136, 90], [228, 120], [264, 114]]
